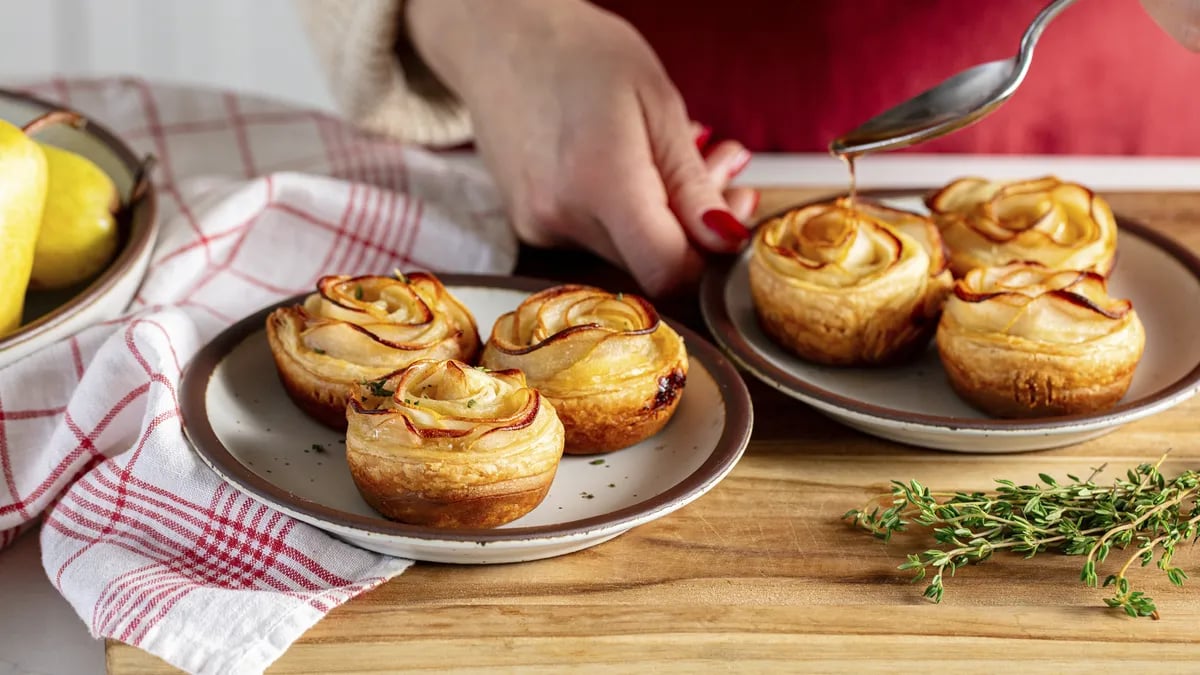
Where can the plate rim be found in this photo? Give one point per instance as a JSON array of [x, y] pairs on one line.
[[724, 331], [197, 428], [143, 209]]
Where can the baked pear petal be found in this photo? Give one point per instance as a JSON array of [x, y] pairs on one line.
[[603, 359], [1057, 224], [849, 283], [450, 445], [1024, 340], [356, 329]]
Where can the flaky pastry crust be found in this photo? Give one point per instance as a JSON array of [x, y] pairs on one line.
[[360, 329], [849, 283], [612, 368], [1061, 225], [448, 445], [1026, 341]]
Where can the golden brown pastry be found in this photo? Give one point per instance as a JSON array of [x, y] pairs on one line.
[[849, 283], [447, 445], [1063, 226], [612, 368], [1026, 341], [359, 329]]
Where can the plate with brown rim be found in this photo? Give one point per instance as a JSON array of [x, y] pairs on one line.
[[242, 424], [52, 315], [914, 404]]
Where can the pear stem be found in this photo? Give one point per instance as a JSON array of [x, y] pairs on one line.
[[53, 117], [141, 178]]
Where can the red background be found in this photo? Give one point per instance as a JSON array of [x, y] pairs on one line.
[[790, 75]]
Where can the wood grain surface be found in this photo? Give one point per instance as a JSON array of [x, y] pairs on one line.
[[761, 573]]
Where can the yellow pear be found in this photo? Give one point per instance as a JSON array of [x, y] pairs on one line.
[[78, 236], [22, 198]]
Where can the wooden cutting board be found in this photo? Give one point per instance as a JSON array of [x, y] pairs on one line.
[[761, 573]]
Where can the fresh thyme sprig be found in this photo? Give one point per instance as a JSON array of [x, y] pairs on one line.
[[1143, 511]]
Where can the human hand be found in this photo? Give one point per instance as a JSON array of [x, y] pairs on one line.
[[1179, 18], [586, 136]]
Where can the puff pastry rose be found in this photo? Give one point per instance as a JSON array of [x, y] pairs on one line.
[[613, 370], [849, 283], [1026, 341], [1061, 225], [358, 329], [447, 445]]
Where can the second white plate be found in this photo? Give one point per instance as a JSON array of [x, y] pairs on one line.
[[914, 403]]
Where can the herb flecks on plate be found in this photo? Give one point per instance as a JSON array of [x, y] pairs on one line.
[[1144, 514]]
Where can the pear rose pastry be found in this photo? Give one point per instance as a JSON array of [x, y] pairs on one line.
[[849, 283], [361, 329], [1024, 340], [1061, 225], [447, 445], [612, 368]]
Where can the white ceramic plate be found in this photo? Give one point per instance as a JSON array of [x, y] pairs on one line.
[[914, 404], [53, 315], [243, 425]]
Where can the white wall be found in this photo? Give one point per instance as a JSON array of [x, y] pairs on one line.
[[252, 45]]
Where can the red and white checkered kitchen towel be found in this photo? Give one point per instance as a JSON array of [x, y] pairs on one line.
[[257, 200]]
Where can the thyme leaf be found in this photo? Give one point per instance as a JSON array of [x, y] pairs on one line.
[[377, 388], [1143, 514]]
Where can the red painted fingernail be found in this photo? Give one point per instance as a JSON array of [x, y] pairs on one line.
[[739, 162], [702, 136], [725, 225]]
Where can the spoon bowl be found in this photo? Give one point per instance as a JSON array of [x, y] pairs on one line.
[[957, 102]]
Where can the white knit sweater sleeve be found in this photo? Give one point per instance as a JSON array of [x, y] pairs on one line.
[[376, 76]]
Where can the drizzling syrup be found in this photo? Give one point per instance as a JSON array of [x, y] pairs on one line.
[[849, 160]]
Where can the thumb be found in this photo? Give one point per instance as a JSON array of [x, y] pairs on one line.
[[693, 197]]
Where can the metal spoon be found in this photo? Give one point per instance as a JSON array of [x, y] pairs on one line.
[[957, 102]]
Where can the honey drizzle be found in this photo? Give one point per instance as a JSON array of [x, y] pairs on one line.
[[849, 160]]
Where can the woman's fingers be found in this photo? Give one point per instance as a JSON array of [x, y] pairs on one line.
[[653, 248], [621, 187], [725, 161], [692, 196], [642, 215], [645, 233], [594, 236], [743, 202]]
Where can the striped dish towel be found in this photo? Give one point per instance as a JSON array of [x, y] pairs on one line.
[[257, 200]]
